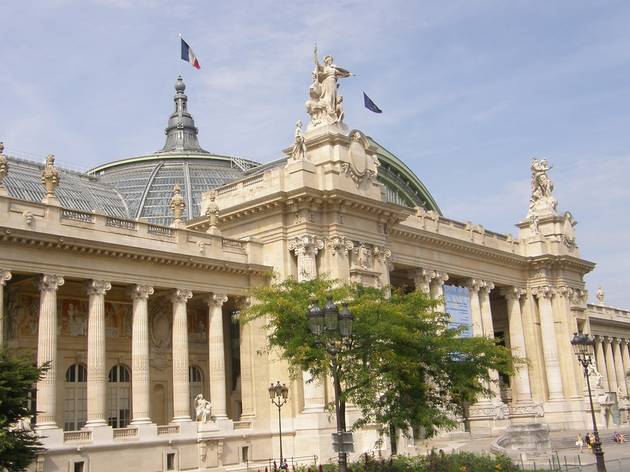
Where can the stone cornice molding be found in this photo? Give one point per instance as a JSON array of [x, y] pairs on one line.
[[339, 245], [141, 292], [50, 282], [5, 276], [181, 295], [512, 293], [216, 300], [48, 241], [97, 287]]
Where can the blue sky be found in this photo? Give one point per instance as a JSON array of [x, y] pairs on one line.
[[471, 91]]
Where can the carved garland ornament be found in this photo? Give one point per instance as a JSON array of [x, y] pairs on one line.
[[360, 167]]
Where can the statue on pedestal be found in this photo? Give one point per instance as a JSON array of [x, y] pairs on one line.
[[299, 146], [542, 200], [325, 104]]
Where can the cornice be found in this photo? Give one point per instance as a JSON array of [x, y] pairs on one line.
[[94, 248]]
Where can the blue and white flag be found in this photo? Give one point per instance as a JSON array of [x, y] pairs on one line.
[[370, 105]]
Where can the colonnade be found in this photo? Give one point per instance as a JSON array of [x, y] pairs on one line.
[[96, 290], [613, 361]]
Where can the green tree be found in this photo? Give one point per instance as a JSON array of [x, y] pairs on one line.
[[18, 448], [404, 367]]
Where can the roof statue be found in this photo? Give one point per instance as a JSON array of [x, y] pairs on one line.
[[325, 104], [298, 152], [50, 179], [600, 294], [542, 202], [181, 132], [4, 168], [212, 212], [178, 205]]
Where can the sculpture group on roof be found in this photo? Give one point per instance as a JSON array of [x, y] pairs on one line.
[[325, 105]]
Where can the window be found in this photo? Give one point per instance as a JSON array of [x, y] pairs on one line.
[[119, 397], [75, 400], [195, 379], [245, 454], [170, 461], [79, 466]]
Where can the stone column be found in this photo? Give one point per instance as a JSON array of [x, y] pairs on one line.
[[140, 368], [437, 288], [47, 351], [306, 249], [181, 386], [610, 365], [601, 362], [422, 279], [625, 357], [619, 370], [473, 286], [247, 372], [522, 391], [5, 275], [488, 330], [216, 355], [96, 360], [550, 348]]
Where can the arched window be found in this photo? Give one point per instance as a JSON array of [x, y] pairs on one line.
[[195, 379], [75, 400], [119, 397]]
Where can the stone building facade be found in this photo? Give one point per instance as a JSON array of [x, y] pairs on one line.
[[130, 291]]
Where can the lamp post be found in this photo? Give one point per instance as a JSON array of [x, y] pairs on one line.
[[333, 329], [279, 393], [583, 349]]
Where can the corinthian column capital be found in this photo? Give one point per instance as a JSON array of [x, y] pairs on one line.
[[306, 244], [98, 287], [439, 278], [545, 291], [486, 286], [181, 295], [474, 285], [512, 293], [5, 276], [141, 292], [50, 282], [216, 300]]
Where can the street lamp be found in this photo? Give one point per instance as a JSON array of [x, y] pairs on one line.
[[279, 393], [333, 328], [583, 349]]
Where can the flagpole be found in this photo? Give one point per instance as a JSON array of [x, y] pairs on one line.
[[179, 59]]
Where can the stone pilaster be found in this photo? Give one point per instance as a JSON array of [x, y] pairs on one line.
[[5, 275], [306, 248], [339, 249], [47, 351], [140, 369], [96, 358], [619, 370], [181, 387], [522, 391], [216, 355], [601, 362], [610, 364], [550, 347]]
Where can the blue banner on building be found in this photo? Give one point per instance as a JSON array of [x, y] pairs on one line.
[[457, 301]]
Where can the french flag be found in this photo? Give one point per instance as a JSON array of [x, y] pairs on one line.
[[188, 55]]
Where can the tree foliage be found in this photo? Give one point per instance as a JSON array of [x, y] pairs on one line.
[[18, 374], [404, 366]]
